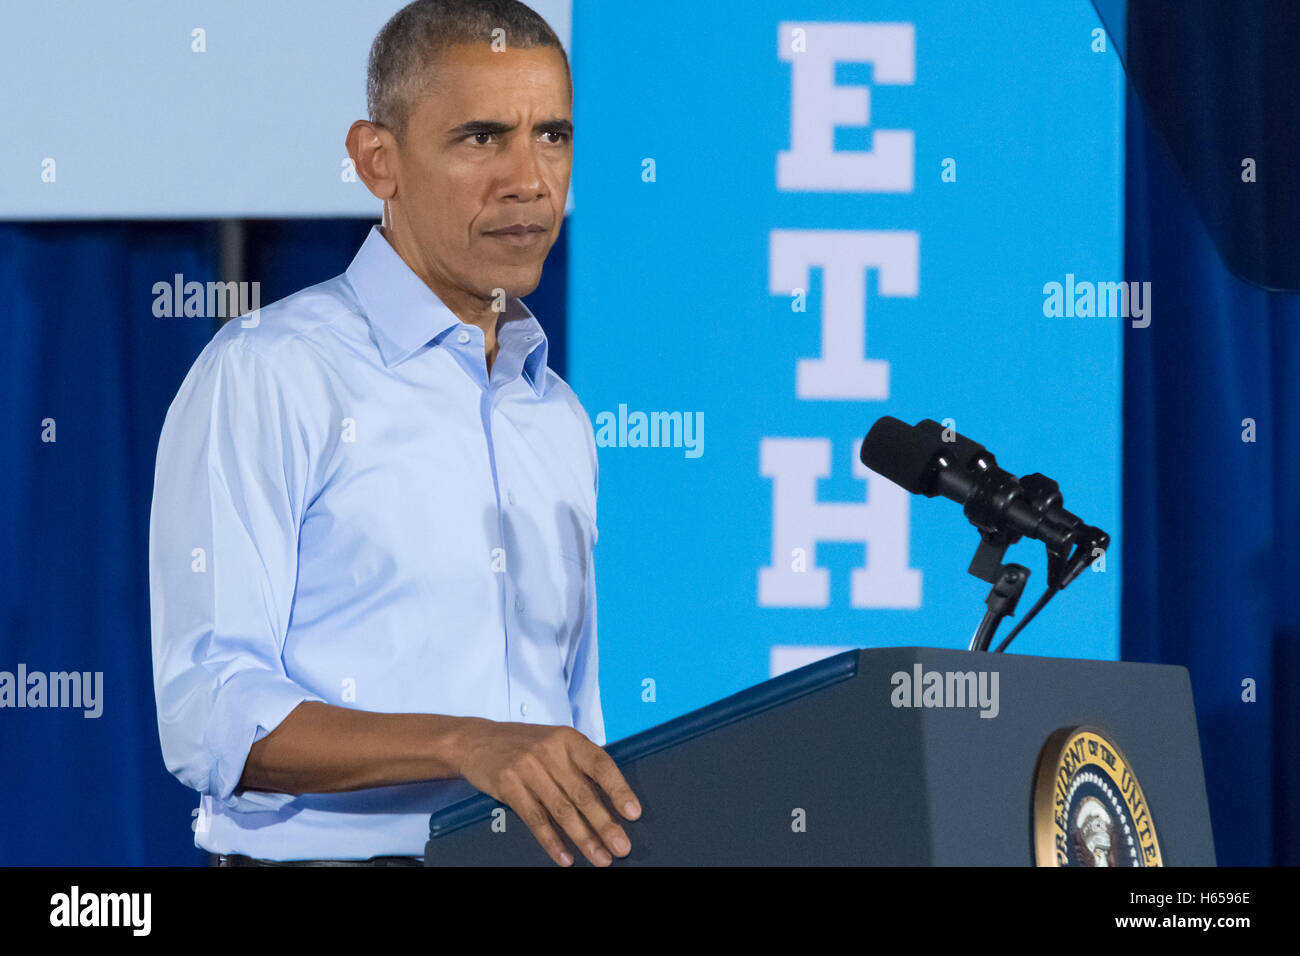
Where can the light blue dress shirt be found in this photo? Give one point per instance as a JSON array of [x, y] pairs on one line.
[[347, 508]]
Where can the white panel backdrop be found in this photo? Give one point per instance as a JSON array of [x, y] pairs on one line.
[[210, 109]]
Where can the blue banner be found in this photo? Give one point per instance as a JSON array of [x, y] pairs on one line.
[[795, 220]]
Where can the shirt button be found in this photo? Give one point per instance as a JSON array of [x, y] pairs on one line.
[[510, 496], [519, 603], [523, 710], [462, 338]]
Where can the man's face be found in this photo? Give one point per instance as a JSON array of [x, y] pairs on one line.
[[489, 149]]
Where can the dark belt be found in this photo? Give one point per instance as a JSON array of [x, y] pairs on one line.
[[237, 859]]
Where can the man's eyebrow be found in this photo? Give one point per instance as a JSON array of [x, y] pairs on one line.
[[493, 126]]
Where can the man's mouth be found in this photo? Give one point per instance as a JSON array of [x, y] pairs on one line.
[[520, 234]]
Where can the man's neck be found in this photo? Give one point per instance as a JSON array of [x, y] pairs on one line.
[[469, 308]]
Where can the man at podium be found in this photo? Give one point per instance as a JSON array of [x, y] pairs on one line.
[[371, 571]]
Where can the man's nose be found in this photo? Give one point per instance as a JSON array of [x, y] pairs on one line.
[[523, 178]]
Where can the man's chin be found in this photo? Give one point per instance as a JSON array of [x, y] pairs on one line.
[[517, 283]]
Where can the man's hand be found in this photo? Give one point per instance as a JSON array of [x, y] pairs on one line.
[[546, 773]]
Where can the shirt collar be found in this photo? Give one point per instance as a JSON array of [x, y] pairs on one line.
[[406, 315]]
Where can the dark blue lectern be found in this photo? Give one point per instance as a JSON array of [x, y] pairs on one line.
[[903, 756]]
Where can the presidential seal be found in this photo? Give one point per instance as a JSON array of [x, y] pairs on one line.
[[1088, 807]]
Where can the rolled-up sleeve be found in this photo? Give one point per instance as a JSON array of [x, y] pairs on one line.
[[229, 492]]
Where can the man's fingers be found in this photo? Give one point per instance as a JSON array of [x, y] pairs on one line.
[[583, 795], [563, 811], [595, 763], [538, 822], [556, 781]]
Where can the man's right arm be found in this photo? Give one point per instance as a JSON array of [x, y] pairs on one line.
[[321, 748], [544, 773]]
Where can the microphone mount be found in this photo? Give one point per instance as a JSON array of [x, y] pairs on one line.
[[1063, 531], [931, 460]]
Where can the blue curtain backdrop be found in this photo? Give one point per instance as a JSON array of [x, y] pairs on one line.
[[1212, 576], [84, 349]]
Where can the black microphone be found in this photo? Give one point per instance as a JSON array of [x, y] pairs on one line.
[[920, 459]]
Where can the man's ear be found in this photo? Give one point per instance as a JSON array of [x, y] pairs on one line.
[[374, 152]]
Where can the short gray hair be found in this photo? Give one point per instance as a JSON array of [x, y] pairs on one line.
[[409, 45]]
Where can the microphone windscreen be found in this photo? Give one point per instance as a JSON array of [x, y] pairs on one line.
[[895, 450]]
